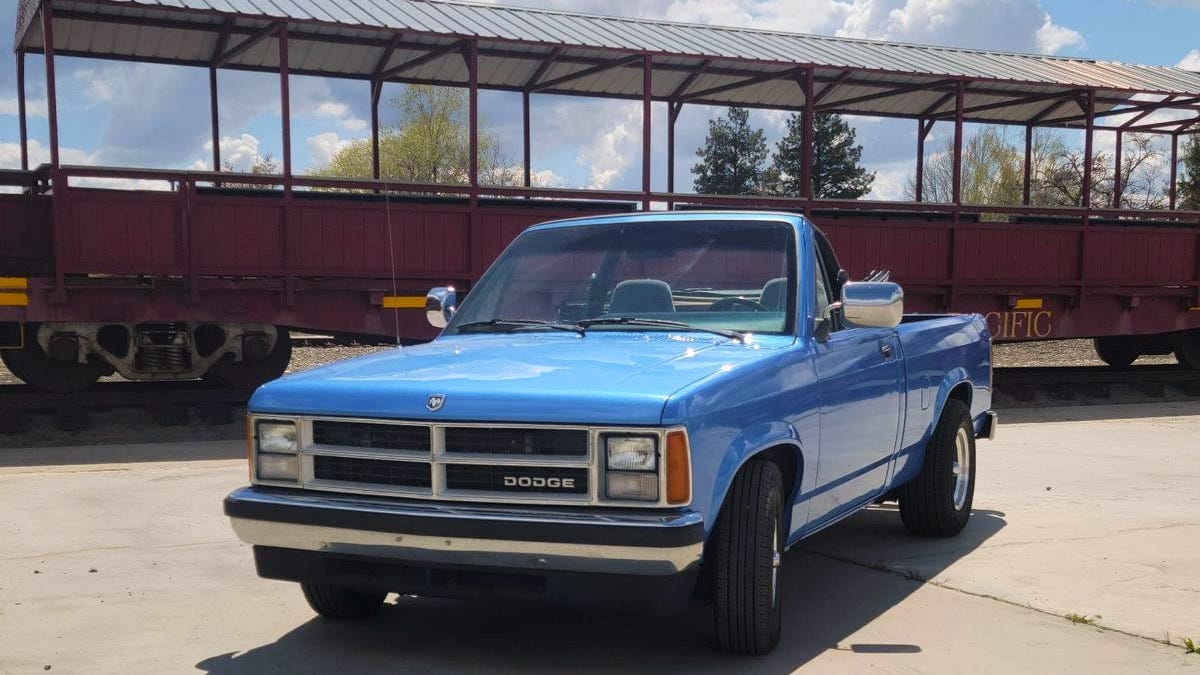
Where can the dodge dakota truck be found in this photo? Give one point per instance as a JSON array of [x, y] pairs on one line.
[[633, 410]]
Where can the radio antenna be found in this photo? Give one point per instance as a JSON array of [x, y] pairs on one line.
[[387, 208]]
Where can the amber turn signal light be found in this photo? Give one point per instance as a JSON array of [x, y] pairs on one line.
[[679, 470]]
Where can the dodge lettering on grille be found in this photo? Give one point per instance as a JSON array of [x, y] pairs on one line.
[[540, 482]]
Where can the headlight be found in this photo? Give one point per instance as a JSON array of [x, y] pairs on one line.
[[276, 437], [279, 467], [631, 453]]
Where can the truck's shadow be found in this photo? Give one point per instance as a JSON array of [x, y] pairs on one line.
[[830, 592]]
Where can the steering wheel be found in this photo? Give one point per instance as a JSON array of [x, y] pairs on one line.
[[731, 305]]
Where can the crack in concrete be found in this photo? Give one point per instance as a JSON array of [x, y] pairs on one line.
[[912, 575], [94, 549]]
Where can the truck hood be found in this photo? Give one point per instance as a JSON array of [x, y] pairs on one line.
[[601, 378]]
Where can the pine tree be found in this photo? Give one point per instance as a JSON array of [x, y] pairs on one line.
[[733, 157], [1188, 190], [836, 170]]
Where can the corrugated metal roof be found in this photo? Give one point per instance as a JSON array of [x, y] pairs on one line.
[[348, 38]]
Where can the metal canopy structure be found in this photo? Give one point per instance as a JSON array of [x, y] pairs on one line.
[[477, 46]]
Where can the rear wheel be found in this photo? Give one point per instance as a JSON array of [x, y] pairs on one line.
[[37, 369], [1187, 348], [249, 374], [340, 603], [937, 502], [1118, 351], [747, 606]]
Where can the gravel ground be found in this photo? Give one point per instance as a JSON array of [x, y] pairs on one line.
[[1059, 353]]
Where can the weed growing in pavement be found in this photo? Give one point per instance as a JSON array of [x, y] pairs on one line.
[[1190, 647], [1082, 618]]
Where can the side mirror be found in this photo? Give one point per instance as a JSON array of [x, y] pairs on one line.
[[440, 304], [872, 304]]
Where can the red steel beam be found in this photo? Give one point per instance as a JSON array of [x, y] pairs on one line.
[[285, 107], [1174, 171], [431, 55], [608, 65], [1089, 134], [473, 131], [215, 122], [647, 93], [51, 98], [894, 91], [673, 110], [929, 112], [1028, 176], [923, 130], [806, 134], [1183, 104], [543, 67], [525, 134], [956, 189], [228, 54], [21, 122], [1158, 127], [222, 41], [831, 85], [690, 80], [747, 82], [1118, 188]]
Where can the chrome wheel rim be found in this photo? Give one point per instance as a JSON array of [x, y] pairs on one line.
[[961, 468], [776, 563]]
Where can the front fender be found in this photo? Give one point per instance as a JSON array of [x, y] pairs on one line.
[[739, 450]]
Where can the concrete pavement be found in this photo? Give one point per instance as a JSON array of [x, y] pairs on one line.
[[119, 560]]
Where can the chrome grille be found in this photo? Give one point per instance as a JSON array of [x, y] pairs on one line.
[[515, 441], [373, 471]]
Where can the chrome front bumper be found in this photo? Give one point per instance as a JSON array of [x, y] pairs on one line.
[[440, 534]]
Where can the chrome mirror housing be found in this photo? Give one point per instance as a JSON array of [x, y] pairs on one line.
[[440, 304], [872, 304]]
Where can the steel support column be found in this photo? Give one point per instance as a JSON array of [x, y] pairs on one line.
[[525, 137], [923, 130], [647, 91], [673, 110], [285, 108], [51, 99], [1171, 185], [376, 92], [956, 177], [1089, 135], [21, 111], [1028, 176], [806, 136], [473, 220], [215, 122], [1118, 188]]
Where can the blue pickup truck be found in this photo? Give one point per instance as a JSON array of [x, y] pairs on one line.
[[632, 410]]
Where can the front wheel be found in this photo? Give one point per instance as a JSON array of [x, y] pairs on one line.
[[937, 502], [747, 607], [340, 603]]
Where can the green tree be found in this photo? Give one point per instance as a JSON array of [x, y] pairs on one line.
[[261, 164], [429, 143], [1188, 187], [837, 172], [733, 156]]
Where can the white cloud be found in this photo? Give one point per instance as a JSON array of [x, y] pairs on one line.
[[613, 148], [1191, 61], [33, 107], [239, 151], [102, 85], [322, 147], [341, 112], [1052, 38]]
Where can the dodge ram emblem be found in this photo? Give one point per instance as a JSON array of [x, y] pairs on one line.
[[435, 401]]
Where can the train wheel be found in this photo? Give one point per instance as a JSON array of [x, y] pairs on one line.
[[1187, 348], [34, 367], [250, 374], [1118, 351]]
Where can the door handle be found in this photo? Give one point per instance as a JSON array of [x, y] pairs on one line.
[[886, 350]]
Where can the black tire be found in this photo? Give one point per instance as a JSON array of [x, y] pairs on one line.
[[1187, 348], [342, 604], [748, 573], [33, 367], [1118, 351], [927, 502], [249, 375]]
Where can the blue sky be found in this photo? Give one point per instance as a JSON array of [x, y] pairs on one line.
[[123, 114]]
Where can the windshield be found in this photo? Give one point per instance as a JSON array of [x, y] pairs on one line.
[[729, 275]]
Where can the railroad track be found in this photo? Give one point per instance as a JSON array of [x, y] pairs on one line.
[[168, 403], [1067, 383]]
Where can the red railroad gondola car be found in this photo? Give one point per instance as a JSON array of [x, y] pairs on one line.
[[207, 280]]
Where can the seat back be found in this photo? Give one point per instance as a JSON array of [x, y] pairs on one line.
[[643, 296], [772, 294]]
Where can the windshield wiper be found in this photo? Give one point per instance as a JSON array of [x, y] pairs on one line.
[[523, 323], [661, 323]]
